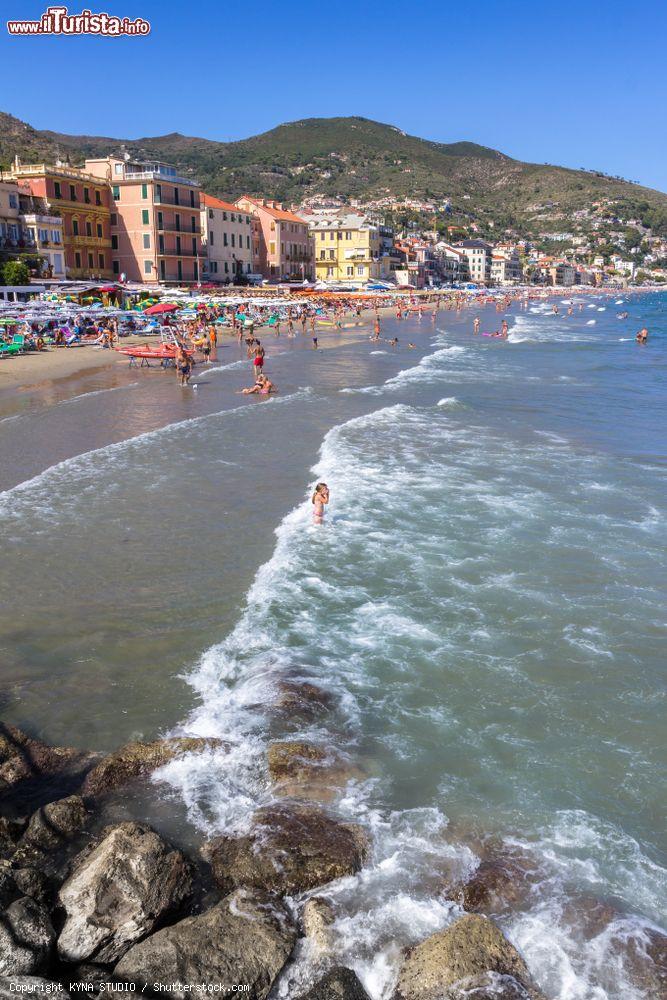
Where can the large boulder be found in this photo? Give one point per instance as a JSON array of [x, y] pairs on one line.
[[290, 848], [301, 699], [446, 963], [32, 986], [502, 881], [119, 890], [305, 770], [23, 758], [338, 984], [137, 760], [51, 827], [27, 938], [246, 938]]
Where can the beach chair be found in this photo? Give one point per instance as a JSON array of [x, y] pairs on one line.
[[15, 347]]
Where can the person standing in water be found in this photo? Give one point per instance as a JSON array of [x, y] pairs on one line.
[[642, 336], [475, 325], [320, 500]]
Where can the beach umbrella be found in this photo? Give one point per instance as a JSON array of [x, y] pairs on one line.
[[161, 307]]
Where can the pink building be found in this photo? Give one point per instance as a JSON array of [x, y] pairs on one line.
[[155, 223], [284, 248]]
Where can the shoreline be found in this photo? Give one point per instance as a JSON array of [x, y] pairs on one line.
[[298, 767]]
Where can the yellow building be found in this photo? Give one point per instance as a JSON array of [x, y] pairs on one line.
[[346, 246]]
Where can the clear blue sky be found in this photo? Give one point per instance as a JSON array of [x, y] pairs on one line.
[[579, 84]]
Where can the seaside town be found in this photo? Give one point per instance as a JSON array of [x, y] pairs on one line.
[[118, 219]]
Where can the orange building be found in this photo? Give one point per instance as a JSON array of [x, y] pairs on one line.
[[83, 201], [284, 247], [155, 225]]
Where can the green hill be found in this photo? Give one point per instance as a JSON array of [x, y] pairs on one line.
[[358, 158]]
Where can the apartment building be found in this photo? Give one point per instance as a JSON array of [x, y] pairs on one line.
[[479, 254], [155, 220], [346, 247], [46, 231], [82, 201], [284, 246], [227, 239], [506, 267]]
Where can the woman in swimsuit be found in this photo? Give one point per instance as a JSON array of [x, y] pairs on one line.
[[320, 500]]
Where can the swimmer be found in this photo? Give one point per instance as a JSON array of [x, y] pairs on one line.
[[412, 346], [320, 500], [642, 336]]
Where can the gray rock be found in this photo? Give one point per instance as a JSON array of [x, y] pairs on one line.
[[317, 917], [27, 938], [289, 849], [119, 891], [338, 984], [246, 938], [22, 757], [445, 962], [501, 882], [10, 834], [34, 883], [55, 823], [31, 986], [137, 760]]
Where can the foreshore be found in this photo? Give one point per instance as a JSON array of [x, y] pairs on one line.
[[247, 904]]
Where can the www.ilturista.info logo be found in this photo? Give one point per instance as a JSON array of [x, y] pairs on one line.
[[57, 21]]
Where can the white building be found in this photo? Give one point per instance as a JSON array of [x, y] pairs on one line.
[[47, 233], [506, 267], [227, 240], [479, 254]]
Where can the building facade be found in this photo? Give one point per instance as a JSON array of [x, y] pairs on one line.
[[15, 239], [506, 267], [47, 232], [479, 254], [284, 246], [82, 201], [155, 221], [346, 247], [227, 239]]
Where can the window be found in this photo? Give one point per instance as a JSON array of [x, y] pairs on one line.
[[350, 271], [210, 213], [118, 168], [158, 192], [98, 197], [89, 229], [323, 254], [330, 272], [193, 223], [195, 271], [247, 242], [148, 267], [224, 216], [163, 269], [214, 267], [192, 203], [115, 266], [226, 268], [144, 191], [99, 230], [72, 193], [86, 195], [115, 190], [100, 261], [147, 241], [56, 190], [144, 216], [224, 239], [91, 261], [179, 268], [55, 235], [332, 236], [114, 242], [210, 239], [332, 255], [272, 248], [160, 220], [232, 217], [348, 235], [194, 247], [13, 201], [77, 260], [75, 227], [233, 242], [176, 202], [114, 219], [361, 270]]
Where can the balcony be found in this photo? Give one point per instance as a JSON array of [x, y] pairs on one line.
[[175, 229], [160, 199], [90, 241], [172, 252]]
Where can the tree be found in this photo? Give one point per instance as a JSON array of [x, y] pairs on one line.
[[15, 272]]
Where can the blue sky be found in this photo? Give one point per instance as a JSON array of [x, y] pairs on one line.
[[578, 84]]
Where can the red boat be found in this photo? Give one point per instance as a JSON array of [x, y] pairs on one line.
[[164, 353]]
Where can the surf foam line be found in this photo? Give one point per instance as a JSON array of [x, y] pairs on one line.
[[426, 370], [79, 465], [331, 607]]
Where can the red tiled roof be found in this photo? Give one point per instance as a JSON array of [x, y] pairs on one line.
[[276, 213], [211, 202]]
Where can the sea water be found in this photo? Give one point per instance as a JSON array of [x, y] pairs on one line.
[[484, 606]]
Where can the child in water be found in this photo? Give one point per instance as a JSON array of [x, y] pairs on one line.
[[320, 500]]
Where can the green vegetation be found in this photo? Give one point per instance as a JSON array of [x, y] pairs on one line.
[[14, 272], [357, 158]]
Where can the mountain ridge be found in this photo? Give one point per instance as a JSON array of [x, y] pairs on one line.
[[357, 158]]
